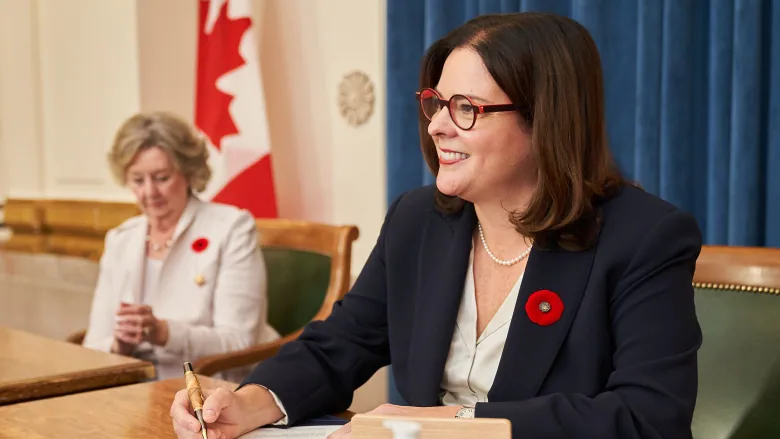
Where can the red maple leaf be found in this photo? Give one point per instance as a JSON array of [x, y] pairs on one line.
[[217, 54]]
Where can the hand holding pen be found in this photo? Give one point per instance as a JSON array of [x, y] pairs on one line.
[[226, 414]]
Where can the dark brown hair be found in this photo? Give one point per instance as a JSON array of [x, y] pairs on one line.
[[550, 68]]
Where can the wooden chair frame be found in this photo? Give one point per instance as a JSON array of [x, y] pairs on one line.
[[749, 269], [333, 241], [738, 271]]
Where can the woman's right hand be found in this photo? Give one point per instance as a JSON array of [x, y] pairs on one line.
[[227, 414], [126, 337], [220, 411]]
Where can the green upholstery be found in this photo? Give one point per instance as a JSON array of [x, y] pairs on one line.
[[297, 284], [739, 372]]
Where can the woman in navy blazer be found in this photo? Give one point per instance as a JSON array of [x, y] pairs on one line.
[[528, 216]]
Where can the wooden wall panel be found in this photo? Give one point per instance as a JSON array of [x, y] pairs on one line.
[[63, 227]]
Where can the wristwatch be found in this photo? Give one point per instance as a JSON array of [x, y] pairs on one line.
[[465, 413]]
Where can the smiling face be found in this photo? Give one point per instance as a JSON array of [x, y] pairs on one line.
[[159, 188], [492, 160]]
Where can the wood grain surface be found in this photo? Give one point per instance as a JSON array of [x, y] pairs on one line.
[[133, 411], [373, 427], [757, 267], [34, 367]]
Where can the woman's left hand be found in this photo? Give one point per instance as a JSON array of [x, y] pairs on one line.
[[345, 432], [137, 323]]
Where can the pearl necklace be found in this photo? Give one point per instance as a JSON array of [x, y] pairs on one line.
[[503, 262], [157, 247]]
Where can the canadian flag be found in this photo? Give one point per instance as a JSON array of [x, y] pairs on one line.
[[230, 108]]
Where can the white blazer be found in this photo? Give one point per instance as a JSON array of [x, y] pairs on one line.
[[214, 300]]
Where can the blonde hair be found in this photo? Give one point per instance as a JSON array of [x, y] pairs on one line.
[[183, 144]]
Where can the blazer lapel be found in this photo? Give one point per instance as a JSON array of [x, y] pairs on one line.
[[530, 348], [136, 257], [177, 252], [442, 269], [193, 205]]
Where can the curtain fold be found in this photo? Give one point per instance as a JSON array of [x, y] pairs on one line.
[[719, 68], [772, 164]]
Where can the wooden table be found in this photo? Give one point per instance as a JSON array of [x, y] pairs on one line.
[[34, 367], [134, 411]]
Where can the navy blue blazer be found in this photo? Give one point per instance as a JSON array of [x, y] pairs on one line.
[[619, 364]]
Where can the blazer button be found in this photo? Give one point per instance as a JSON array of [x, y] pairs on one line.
[[200, 280]]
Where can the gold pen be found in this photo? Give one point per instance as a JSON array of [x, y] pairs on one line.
[[195, 395]]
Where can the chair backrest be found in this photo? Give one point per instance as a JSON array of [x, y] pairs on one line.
[[308, 267], [738, 306]]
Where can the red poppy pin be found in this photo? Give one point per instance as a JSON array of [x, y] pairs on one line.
[[200, 244], [544, 307]]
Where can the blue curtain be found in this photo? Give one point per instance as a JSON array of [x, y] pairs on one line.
[[692, 96]]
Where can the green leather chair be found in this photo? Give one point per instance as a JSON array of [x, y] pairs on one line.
[[737, 293], [308, 267]]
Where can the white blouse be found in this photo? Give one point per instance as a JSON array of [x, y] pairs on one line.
[[151, 278], [472, 363]]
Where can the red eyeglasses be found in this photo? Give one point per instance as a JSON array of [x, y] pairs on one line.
[[463, 111]]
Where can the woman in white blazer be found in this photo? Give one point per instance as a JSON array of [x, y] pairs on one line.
[[185, 279]]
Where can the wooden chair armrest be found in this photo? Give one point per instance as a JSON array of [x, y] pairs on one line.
[[77, 337], [212, 364]]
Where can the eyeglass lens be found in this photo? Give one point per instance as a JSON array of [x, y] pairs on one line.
[[461, 109]]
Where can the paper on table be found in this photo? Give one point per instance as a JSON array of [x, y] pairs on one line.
[[310, 432]]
